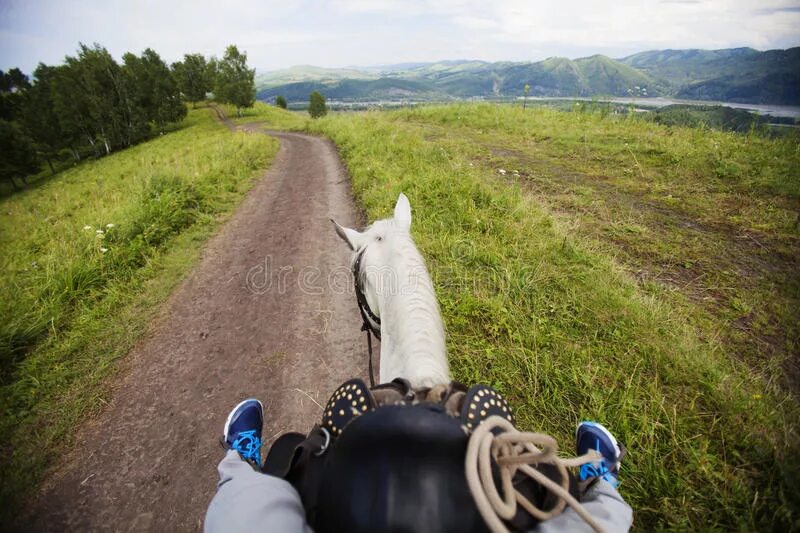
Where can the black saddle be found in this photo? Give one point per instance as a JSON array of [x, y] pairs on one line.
[[396, 467]]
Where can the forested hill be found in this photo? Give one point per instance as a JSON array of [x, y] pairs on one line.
[[91, 105], [737, 75]]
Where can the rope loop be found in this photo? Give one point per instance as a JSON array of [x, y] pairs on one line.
[[515, 451]]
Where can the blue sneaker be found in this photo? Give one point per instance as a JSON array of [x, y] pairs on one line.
[[243, 430], [594, 436]]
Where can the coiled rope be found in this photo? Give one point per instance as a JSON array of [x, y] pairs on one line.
[[514, 450]]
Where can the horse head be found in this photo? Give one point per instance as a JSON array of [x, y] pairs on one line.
[[398, 292]]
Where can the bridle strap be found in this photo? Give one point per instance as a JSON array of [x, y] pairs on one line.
[[366, 328], [372, 322]]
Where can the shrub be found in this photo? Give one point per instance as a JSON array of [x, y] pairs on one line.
[[316, 105]]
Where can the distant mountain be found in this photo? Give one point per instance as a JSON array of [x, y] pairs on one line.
[[739, 75], [356, 90], [463, 79], [302, 73], [683, 67], [410, 67]]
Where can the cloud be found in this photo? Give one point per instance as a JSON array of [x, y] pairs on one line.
[[775, 10], [363, 32]]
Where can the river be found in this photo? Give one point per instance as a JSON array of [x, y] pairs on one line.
[[761, 109]]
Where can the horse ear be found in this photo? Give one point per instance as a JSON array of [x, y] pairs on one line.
[[352, 237], [402, 212]]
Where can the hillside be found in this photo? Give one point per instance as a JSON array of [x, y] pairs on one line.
[[596, 75], [303, 73], [590, 265], [738, 75], [355, 89], [89, 255]]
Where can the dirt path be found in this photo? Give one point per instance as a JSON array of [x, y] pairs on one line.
[[257, 317]]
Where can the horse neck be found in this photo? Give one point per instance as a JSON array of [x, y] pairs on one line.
[[412, 333]]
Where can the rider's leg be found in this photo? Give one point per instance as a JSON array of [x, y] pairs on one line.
[[601, 500], [247, 499], [603, 503]]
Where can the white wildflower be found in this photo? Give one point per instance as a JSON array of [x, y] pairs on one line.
[[87, 228], [501, 171], [104, 250], [100, 236], [99, 231], [109, 226]]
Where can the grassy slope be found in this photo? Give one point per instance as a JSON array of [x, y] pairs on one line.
[[533, 300], [72, 310], [536, 305], [273, 116]]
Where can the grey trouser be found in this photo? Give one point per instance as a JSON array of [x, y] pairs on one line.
[[248, 500]]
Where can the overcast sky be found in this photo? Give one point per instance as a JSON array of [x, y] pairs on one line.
[[337, 33]]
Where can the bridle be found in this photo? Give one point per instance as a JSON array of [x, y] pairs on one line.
[[372, 322]]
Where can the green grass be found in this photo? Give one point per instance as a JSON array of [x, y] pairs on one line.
[[620, 270], [556, 286], [277, 118], [70, 309]]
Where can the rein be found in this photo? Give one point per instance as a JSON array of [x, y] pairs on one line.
[[372, 322]]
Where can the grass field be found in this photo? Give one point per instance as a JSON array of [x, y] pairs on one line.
[[275, 117], [588, 265], [598, 266], [88, 257], [609, 268]]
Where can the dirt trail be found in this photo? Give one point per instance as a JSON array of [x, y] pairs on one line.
[[257, 317]]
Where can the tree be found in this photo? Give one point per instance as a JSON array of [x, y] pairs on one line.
[[12, 86], [235, 83], [316, 105], [280, 101], [212, 69], [100, 92], [89, 101], [18, 153], [39, 118], [71, 105], [153, 90], [194, 77]]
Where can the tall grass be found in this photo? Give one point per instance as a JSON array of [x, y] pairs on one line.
[[87, 259], [562, 329]]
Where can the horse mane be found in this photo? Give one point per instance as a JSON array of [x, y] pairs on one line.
[[411, 321]]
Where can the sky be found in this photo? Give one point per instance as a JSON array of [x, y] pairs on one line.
[[339, 33]]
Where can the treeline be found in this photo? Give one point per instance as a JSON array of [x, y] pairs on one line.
[[91, 105]]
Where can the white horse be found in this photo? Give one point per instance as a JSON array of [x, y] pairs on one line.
[[398, 289]]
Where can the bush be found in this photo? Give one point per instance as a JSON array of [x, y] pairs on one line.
[[280, 101], [316, 105]]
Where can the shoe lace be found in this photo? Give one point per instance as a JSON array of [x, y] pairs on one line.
[[589, 470], [248, 444]]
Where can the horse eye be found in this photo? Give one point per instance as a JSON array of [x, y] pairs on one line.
[[378, 238]]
